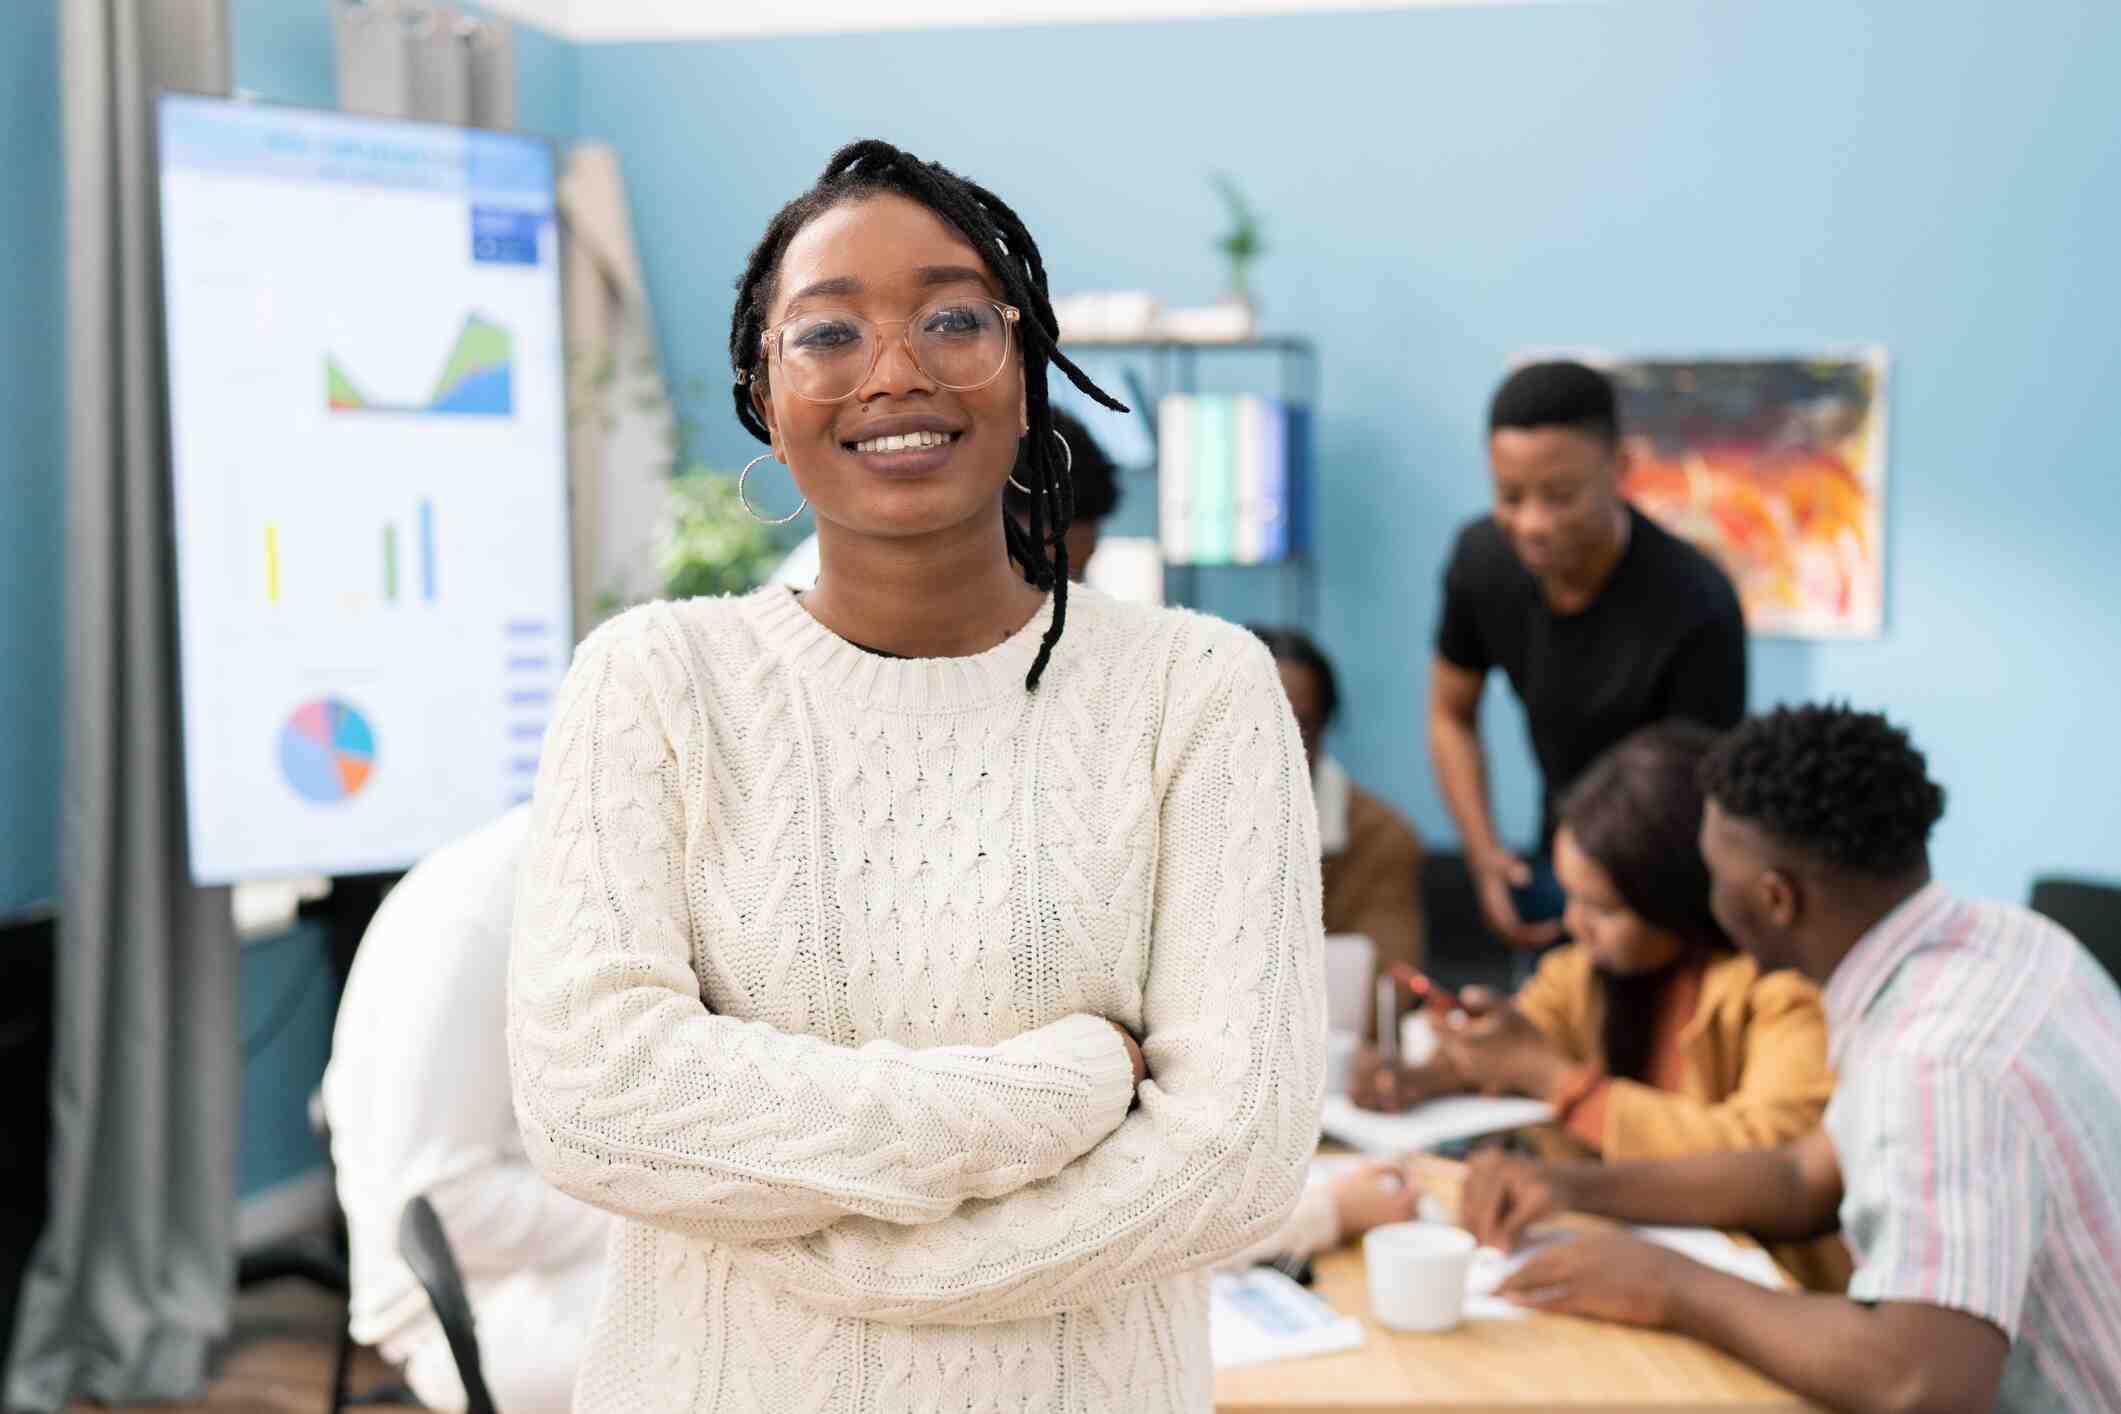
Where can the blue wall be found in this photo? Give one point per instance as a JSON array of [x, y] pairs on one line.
[[1445, 186], [1442, 187], [32, 455]]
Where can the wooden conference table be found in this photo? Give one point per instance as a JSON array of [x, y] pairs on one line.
[[1543, 1363]]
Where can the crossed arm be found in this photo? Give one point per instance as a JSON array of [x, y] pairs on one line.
[[954, 1185]]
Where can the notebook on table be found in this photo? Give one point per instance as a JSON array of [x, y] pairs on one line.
[[1429, 1125]]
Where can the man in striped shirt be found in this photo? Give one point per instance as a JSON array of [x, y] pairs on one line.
[[1972, 1150]]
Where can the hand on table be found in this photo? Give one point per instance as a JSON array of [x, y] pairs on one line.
[[1493, 877], [1375, 1083], [1497, 1050], [1373, 1193], [1504, 1195], [1607, 1276]]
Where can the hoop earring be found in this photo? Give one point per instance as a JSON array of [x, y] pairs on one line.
[[744, 476], [1067, 466]]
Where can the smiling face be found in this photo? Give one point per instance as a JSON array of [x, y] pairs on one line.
[[904, 456], [1557, 496]]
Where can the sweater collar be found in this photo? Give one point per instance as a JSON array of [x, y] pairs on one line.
[[833, 664]]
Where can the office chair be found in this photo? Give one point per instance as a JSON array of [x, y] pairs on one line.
[[2091, 911], [425, 1248]]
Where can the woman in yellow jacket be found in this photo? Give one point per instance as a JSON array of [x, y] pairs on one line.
[[1651, 1036]]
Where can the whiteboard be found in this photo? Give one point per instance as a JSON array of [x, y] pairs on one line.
[[368, 461]]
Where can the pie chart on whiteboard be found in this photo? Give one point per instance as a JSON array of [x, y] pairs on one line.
[[327, 751]]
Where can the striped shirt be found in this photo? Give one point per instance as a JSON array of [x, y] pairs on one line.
[[1978, 1125]]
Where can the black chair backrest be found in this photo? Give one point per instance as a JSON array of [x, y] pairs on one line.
[[425, 1249], [2091, 911]]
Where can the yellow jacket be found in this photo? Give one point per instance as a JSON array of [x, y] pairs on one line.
[[1756, 1073], [1756, 1070]]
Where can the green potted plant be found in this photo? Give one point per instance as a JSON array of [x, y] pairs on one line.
[[702, 541], [707, 543], [1243, 244]]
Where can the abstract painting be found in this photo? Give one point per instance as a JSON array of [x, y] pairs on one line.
[[1776, 467]]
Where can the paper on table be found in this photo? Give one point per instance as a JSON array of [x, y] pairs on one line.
[[1491, 1268], [1427, 1125], [1715, 1249], [1260, 1315], [1705, 1245]]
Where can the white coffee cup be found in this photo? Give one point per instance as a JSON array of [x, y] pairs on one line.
[[1417, 1274], [1341, 1047]]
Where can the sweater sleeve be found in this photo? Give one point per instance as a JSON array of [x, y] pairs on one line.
[[1783, 1086], [632, 1096], [1216, 1156], [1312, 1227]]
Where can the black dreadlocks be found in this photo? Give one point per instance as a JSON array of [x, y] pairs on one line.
[[870, 167]]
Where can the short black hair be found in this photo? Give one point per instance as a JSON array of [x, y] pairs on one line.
[[1558, 393], [1093, 477], [1293, 645], [1847, 788]]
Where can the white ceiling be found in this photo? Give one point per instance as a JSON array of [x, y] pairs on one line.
[[610, 20]]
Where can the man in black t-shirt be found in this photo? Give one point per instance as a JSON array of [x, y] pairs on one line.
[[1601, 619]]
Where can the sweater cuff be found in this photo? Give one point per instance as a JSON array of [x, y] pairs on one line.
[[1091, 1046]]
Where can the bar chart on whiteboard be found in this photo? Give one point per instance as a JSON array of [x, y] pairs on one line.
[[367, 421]]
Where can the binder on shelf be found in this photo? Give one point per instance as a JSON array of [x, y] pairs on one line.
[[1214, 490], [1233, 476], [1174, 479], [1296, 429]]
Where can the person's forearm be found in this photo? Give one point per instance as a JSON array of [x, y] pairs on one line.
[[633, 1097], [1428, 1080], [782, 1134], [1829, 1349], [1233, 1012], [1761, 1192], [1462, 771]]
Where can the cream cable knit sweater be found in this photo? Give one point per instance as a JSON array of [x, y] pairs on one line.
[[811, 949]]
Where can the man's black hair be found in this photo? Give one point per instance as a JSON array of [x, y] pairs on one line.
[[1291, 645], [1845, 787], [871, 168], [1560, 393], [1093, 477]]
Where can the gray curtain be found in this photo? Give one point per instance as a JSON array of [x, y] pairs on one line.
[[132, 1278], [621, 428], [409, 59]]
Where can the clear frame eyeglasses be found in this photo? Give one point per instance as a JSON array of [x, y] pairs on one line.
[[961, 343]]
